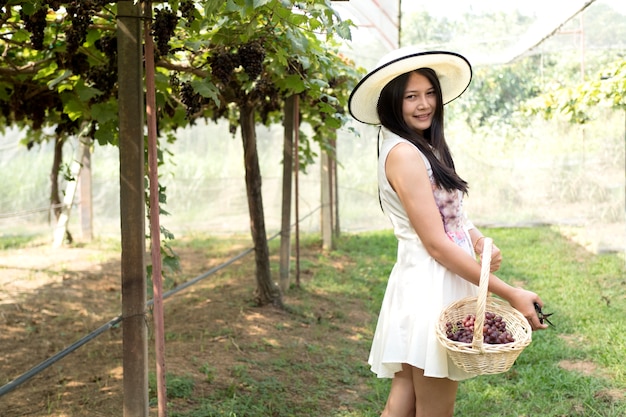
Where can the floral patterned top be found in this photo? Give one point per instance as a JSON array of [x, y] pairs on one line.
[[450, 205]]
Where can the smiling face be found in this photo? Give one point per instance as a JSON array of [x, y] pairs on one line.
[[419, 103]]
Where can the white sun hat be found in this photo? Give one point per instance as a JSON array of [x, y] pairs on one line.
[[453, 70]]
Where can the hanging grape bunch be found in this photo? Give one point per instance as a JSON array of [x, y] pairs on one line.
[[268, 95], [163, 28], [251, 56], [295, 67], [79, 14], [265, 90], [54, 4], [191, 99], [35, 24], [77, 63], [223, 64], [174, 82], [107, 44], [494, 330], [187, 9], [104, 77]]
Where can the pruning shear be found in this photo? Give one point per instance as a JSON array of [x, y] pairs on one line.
[[543, 316]]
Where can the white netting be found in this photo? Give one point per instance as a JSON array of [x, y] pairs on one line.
[[555, 174], [550, 172]]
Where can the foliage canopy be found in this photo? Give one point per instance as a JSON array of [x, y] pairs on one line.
[[59, 66]]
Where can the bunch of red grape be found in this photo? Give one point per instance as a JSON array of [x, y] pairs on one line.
[[163, 28], [187, 9], [107, 44], [251, 56], [223, 64], [35, 23], [494, 330], [79, 13], [191, 99]]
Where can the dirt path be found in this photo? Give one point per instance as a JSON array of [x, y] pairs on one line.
[[52, 298]]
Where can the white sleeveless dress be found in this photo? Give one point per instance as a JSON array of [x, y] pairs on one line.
[[418, 287]]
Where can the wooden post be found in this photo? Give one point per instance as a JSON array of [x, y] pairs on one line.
[[155, 223], [132, 205]]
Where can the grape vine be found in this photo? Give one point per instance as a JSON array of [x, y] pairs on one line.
[[62, 37]]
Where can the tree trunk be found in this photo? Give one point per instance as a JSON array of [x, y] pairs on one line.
[[61, 229], [267, 291], [86, 197], [55, 199], [335, 190], [285, 229]]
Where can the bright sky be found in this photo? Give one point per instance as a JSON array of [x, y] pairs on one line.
[[547, 12], [530, 7]]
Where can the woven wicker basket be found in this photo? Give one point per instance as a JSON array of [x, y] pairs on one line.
[[477, 357]]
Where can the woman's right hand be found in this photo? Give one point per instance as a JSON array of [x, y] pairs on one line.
[[523, 301]]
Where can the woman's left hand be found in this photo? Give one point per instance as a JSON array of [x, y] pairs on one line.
[[496, 258], [496, 255]]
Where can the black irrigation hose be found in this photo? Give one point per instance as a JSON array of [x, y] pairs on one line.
[[60, 355], [201, 277]]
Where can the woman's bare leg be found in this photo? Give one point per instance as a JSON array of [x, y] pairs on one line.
[[414, 395], [434, 397], [401, 400]]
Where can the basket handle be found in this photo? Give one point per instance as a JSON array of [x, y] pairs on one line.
[[481, 298]]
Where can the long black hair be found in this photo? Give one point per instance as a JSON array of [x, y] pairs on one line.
[[432, 143]]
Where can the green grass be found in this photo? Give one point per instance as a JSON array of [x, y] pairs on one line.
[[585, 292], [573, 370], [177, 386], [17, 241]]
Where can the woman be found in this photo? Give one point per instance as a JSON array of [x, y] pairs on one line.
[[422, 195]]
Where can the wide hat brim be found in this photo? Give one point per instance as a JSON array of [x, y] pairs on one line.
[[453, 70]]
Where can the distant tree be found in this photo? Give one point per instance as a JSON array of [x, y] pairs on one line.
[[422, 28], [498, 91], [477, 32], [604, 30], [578, 102]]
